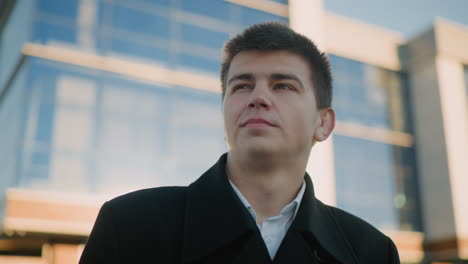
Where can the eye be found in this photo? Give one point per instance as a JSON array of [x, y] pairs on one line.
[[284, 86], [240, 87]]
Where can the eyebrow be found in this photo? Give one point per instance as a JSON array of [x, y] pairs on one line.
[[274, 76], [285, 76], [242, 77]]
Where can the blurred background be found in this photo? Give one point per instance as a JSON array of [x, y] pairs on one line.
[[102, 97]]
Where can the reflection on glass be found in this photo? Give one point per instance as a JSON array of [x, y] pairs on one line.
[[47, 33], [12, 107], [67, 8], [198, 63], [252, 16], [122, 44], [204, 37], [97, 132], [211, 8], [377, 182], [140, 21], [45, 115], [369, 95], [66, 23]]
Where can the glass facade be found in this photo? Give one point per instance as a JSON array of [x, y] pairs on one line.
[[177, 34], [88, 128], [370, 96], [375, 180], [11, 130]]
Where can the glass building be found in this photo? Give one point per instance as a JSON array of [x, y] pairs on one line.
[[103, 97]]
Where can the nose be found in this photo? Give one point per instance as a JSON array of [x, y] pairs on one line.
[[259, 99]]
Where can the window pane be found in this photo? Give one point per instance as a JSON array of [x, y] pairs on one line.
[[252, 16], [55, 23], [139, 21], [129, 47], [189, 133], [377, 182], [42, 103], [369, 95], [45, 118], [12, 108], [59, 7], [406, 198], [199, 63], [201, 36], [40, 164], [211, 8], [59, 127], [44, 32]]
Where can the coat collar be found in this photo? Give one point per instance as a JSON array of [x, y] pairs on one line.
[[215, 217], [214, 214]]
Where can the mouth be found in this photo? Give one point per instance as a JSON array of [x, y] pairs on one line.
[[257, 122]]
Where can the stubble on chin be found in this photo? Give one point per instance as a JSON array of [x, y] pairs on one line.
[[259, 153]]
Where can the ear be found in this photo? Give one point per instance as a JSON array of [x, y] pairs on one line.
[[326, 126]]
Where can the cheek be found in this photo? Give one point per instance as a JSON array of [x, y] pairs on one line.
[[230, 114], [305, 121]]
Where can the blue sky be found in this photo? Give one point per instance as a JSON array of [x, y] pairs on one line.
[[409, 17]]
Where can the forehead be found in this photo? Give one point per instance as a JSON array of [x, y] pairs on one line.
[[268, 62]]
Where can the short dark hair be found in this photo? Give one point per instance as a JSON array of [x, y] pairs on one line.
[[275, 36]]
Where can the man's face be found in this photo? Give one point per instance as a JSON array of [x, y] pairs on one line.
[[269, 106]]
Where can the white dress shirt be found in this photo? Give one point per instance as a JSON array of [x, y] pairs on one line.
[[274, 228]]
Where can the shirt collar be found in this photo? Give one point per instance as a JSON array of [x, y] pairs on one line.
[[293, 204]]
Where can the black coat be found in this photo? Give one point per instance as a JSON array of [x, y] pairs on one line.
[[207, 223]]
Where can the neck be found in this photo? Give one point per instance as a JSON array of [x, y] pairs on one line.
[[268, 184]]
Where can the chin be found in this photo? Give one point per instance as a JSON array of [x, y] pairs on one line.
[[255, 150]]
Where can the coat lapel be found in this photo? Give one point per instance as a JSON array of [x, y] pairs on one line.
[[253, 251], [294, 249], [217, 225], [318, 227]]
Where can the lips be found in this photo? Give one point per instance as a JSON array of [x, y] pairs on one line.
[[259, 121]]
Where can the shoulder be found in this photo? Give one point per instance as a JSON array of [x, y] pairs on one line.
[[147, 206], [159, 195], [367, 241], [129, 227]]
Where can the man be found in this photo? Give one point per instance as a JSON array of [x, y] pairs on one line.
[[256, 204]]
